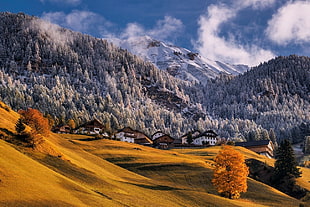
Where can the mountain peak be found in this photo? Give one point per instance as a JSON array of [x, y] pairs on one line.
[[179, 62]]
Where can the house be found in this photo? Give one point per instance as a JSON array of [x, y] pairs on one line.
[[91, 127], [162, 140], [183, 139], [208, 137], [262, 147], [127, 134], [62, 129]]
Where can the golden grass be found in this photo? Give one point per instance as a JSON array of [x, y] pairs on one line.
[[114, 173], [8, 118], [304, 181]]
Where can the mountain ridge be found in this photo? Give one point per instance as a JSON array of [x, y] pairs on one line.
[[178, 62]]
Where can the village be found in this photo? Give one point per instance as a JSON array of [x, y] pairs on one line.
[[161, 140]]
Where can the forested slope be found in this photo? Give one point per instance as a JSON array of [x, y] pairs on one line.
[[70, 75]]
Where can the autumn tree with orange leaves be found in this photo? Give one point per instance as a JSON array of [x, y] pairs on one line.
[[39, 124], [230, 173]]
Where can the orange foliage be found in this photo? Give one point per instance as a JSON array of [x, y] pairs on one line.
[[230, 173], [35, 119], [71, 124]]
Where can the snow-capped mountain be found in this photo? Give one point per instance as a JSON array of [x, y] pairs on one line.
[[179, 62]]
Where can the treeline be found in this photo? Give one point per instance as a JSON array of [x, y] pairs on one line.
[[74, 76], [276, 95]]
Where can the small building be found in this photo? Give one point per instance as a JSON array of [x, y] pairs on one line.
[[183, 139], [91, 127], [62, 129], [127, 134], [208, 137], [262, 147], [164, 141]]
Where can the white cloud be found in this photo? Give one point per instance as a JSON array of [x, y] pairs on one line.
[[210, 44], [55, 32], [163, 29], [291, 24], [86, 21], [71, 2], [82, 21], [166, 27], [255, 4]]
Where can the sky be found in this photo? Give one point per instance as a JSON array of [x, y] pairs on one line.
[[232, 31]]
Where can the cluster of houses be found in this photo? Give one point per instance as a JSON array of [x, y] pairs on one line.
[[164, 141]]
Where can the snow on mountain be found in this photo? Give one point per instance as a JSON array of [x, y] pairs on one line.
[[179, 62]]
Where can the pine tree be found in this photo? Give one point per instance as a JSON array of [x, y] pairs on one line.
[[230, 173], [189, 138], [20, 126], [285, 166]]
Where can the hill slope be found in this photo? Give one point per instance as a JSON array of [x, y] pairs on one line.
[[74, 76], [113, 173], [275, 95]]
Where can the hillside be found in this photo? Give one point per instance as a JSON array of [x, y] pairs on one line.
[[69, 75], [113, 173], [74, 76], [275, 94]]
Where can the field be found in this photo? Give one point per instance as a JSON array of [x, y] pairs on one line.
[[69, 171]]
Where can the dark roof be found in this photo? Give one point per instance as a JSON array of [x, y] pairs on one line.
[[133, 133], [165, 135], [252, 143], [93, 123], [127, 130], [208, 133]]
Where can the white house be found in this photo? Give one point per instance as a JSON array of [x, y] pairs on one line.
[[125, 137], [207, 137], [92, 127], [183, 139]]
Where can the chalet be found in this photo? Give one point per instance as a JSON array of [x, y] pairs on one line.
[[183, 139], [262, 147], [127, 134], [62, 129], [92, 127], [208, 137], [162, 140]]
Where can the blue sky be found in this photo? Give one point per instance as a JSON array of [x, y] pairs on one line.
[[233, 31]]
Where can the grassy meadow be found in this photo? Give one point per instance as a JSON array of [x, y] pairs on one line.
[[66, 170]]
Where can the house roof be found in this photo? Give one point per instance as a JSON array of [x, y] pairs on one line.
[[94, 123], [133, 134], [126, 130], [165, 135], [253, 143], [207, 133]]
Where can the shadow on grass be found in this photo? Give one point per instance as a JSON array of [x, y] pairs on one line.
[[7, 132], [33, 203], [70, 170], [154, 187], [115, 160]]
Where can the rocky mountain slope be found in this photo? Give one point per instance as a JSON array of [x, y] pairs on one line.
[[178, 62]]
